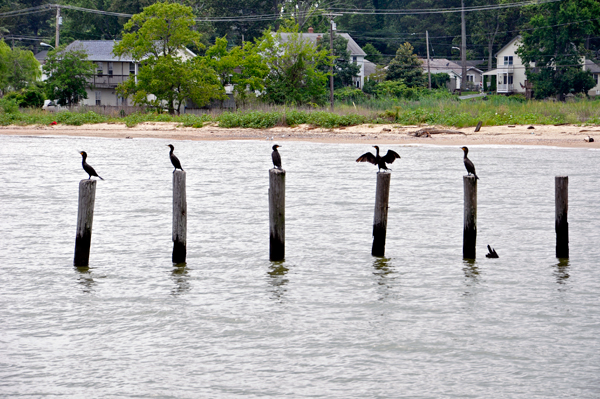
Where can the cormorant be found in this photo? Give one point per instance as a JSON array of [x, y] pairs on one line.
[[492, 253], [468, 164], [390, 157], [276, 157], [174, 159], [88, 169]]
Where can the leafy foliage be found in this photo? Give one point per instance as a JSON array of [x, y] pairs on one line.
[[68, 73], [295, 68], [406, 66], [557, 47], [157, 38], [18, 68], [344, 69]]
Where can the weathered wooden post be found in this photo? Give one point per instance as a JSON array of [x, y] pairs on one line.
[[470, 217], [179, 217], [276, 214], [382, 197], [561, 224], [85, 217]]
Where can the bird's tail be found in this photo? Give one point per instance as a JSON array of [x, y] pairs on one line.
[[100, 178], [476, 177]]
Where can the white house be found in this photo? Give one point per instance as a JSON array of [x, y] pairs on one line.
[[356, 53], [110, 71], [510, 71]]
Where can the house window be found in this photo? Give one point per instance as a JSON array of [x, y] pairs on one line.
[[98, 98], [596, 78], [470, 78], [132, 68], [508, 60], [354, 59], [110, 69], [510, 79], [100, 69]]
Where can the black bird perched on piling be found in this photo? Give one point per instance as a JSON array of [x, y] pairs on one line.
[[174, 159], [468, 164], [88, 169], [276, 157], [390, 157]]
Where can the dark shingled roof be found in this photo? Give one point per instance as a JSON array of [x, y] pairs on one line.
[[98, 50], [353, 47]]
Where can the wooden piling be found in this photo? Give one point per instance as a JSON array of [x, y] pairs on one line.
[[85, 217], [382, 197], [470, 217], [561, 224], [276, 214], [179, 217]]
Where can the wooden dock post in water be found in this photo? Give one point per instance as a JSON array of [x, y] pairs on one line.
[[561, 224], [179, 217], [276, 214], [85, 217], [470, 217], [382, 197]]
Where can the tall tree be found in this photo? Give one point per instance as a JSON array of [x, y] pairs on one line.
[[168, 75], [295, 74], [406, 66], [557, 46], [68, 75]]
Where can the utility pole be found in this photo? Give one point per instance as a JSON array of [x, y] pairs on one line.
[[428, 67], [331, 29], [463, 47], [57, 26]]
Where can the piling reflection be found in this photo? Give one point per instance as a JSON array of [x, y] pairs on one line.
[[561, 271], [181, 278], [84, 277], [472, 275], [384, 271], [277, 278]]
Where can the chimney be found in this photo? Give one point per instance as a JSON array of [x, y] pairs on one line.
[[311, 30]]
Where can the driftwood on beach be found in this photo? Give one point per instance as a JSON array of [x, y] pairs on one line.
[[427, 132]]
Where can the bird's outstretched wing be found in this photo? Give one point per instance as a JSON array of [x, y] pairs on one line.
[[390, 156], [367, 157]]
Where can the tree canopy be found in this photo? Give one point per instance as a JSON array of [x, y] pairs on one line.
[[169, 74], [68, 74], [406, 66], [557, 47]]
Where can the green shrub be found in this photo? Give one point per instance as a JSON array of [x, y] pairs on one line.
[[9, 105]]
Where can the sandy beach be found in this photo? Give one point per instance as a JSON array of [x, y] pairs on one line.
[[561, 135]]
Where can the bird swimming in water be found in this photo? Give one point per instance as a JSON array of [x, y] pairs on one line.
[[88, 169], [468, 164], [174, 159], [276, 157], [390, 157]]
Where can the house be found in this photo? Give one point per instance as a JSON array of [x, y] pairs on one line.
[[454, 70], [110, 71], [589, 65], [510, 71], [356, 53]]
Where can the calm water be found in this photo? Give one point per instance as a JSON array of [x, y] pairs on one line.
[[331, 321]]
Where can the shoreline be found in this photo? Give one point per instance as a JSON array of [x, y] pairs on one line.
[[539, 135]]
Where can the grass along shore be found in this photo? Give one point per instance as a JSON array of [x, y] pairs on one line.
[[495, 111]]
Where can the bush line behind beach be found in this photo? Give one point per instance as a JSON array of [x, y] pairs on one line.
[[497, 110]]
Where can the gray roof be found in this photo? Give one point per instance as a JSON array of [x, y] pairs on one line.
[[353, 47], [98, 50], [443, 65], [41, 56], [370, 68], [591, 66]]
